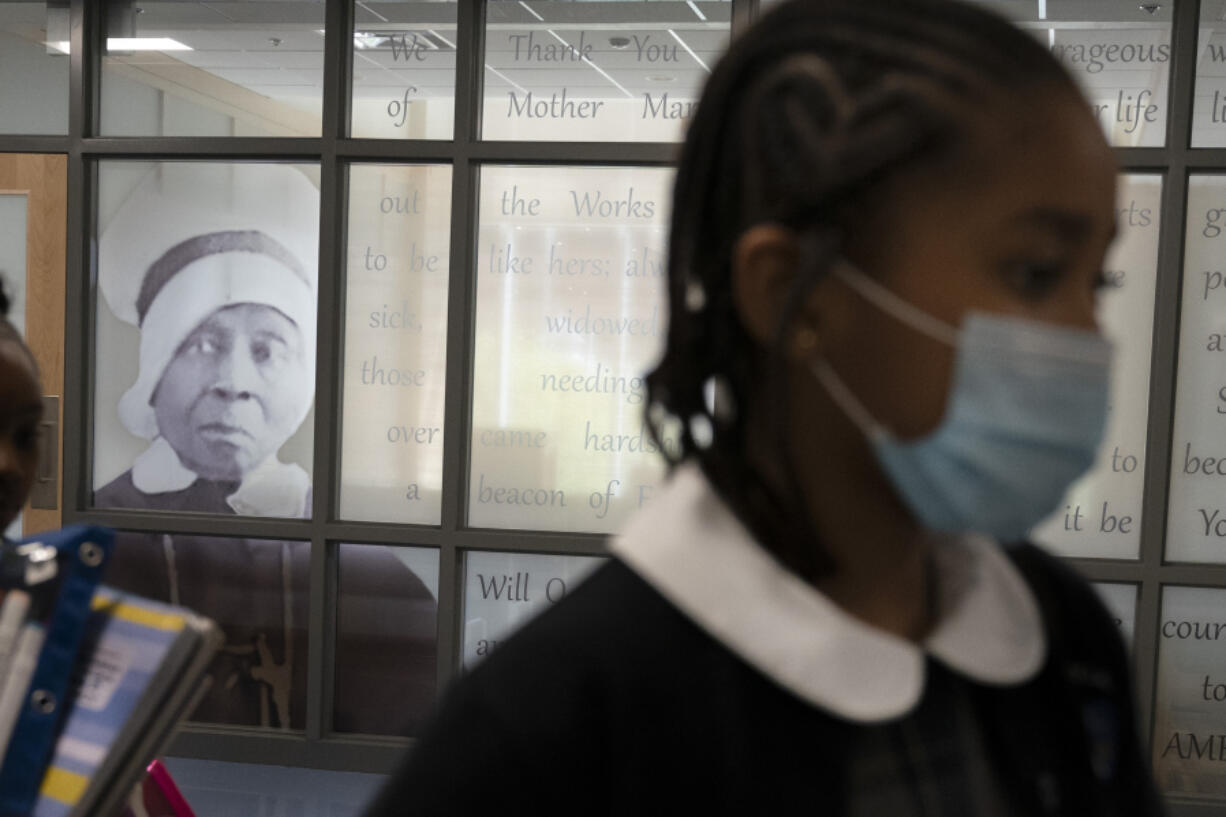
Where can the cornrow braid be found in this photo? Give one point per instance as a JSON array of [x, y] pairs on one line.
[[803, 119]]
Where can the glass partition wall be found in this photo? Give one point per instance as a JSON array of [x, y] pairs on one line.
[[361, 295]]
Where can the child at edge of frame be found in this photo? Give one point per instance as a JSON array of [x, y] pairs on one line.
[[21, 413]]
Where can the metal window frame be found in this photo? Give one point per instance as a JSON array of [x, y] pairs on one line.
[[335, 151]]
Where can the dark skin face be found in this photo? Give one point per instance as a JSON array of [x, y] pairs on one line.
[[21, 411], [1018, 225], [233, 393]]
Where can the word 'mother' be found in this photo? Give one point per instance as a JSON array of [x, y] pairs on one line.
[[557, 106]]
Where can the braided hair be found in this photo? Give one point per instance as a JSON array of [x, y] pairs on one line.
[[806, 116]]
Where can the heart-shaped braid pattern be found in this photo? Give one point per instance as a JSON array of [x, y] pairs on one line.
[[806, 117]]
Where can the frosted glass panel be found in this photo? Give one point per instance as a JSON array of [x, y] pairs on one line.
[[1209, 108], [608, 70], [502, 591], [404, 69], [386, 639], [213, 68], [1101, 514], [570, 313], [1119, 53], [1196, 518], [30, 34], [205, 338], [1121, 601], [1190, 710], [14, 212], [395, 342]]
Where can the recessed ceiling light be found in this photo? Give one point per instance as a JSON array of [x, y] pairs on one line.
[[619, 42]]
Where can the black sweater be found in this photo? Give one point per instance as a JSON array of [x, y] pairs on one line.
[[614, 702]]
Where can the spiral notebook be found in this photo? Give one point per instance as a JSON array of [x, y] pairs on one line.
[[140, 673]]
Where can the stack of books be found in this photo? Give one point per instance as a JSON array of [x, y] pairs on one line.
[[92, 681]]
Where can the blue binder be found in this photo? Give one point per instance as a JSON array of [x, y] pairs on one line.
[[81, 556]]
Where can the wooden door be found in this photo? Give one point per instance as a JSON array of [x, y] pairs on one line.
[[43, 180]]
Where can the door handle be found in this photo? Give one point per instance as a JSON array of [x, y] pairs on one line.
[[43, 494]]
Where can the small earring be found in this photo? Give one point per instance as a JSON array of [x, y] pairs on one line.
[[806, 339]]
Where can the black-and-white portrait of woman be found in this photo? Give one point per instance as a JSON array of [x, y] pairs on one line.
[[204, 380], [216, 265]]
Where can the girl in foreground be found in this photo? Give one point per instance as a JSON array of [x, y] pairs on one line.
[[887, 236]]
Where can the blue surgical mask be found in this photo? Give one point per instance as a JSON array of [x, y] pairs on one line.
[[1023, 420]]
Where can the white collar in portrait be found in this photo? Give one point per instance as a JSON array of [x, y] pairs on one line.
[[273, 488], [690, 547]]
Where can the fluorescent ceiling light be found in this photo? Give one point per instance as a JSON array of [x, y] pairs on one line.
[[1042, 9], [369, 10], [498, 73], [530, 11], [128, 44], [587, 61], [694, 9], [145, 44], [448, 42], [686, 46]]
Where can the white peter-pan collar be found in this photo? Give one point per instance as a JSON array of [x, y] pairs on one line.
[[690, 547], [273, 488]]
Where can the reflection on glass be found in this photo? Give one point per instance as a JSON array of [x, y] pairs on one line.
[[502, 591], [1121, 601], [1196, 517], [14, 226], [1209, 107], [1190, 710], [1101, 514], [404, 69], [205, 345], [212, 68], [32, 39], [386, 639], [570, 313], [609, 70], [1119, 52], [395, 343], [258, 593]]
